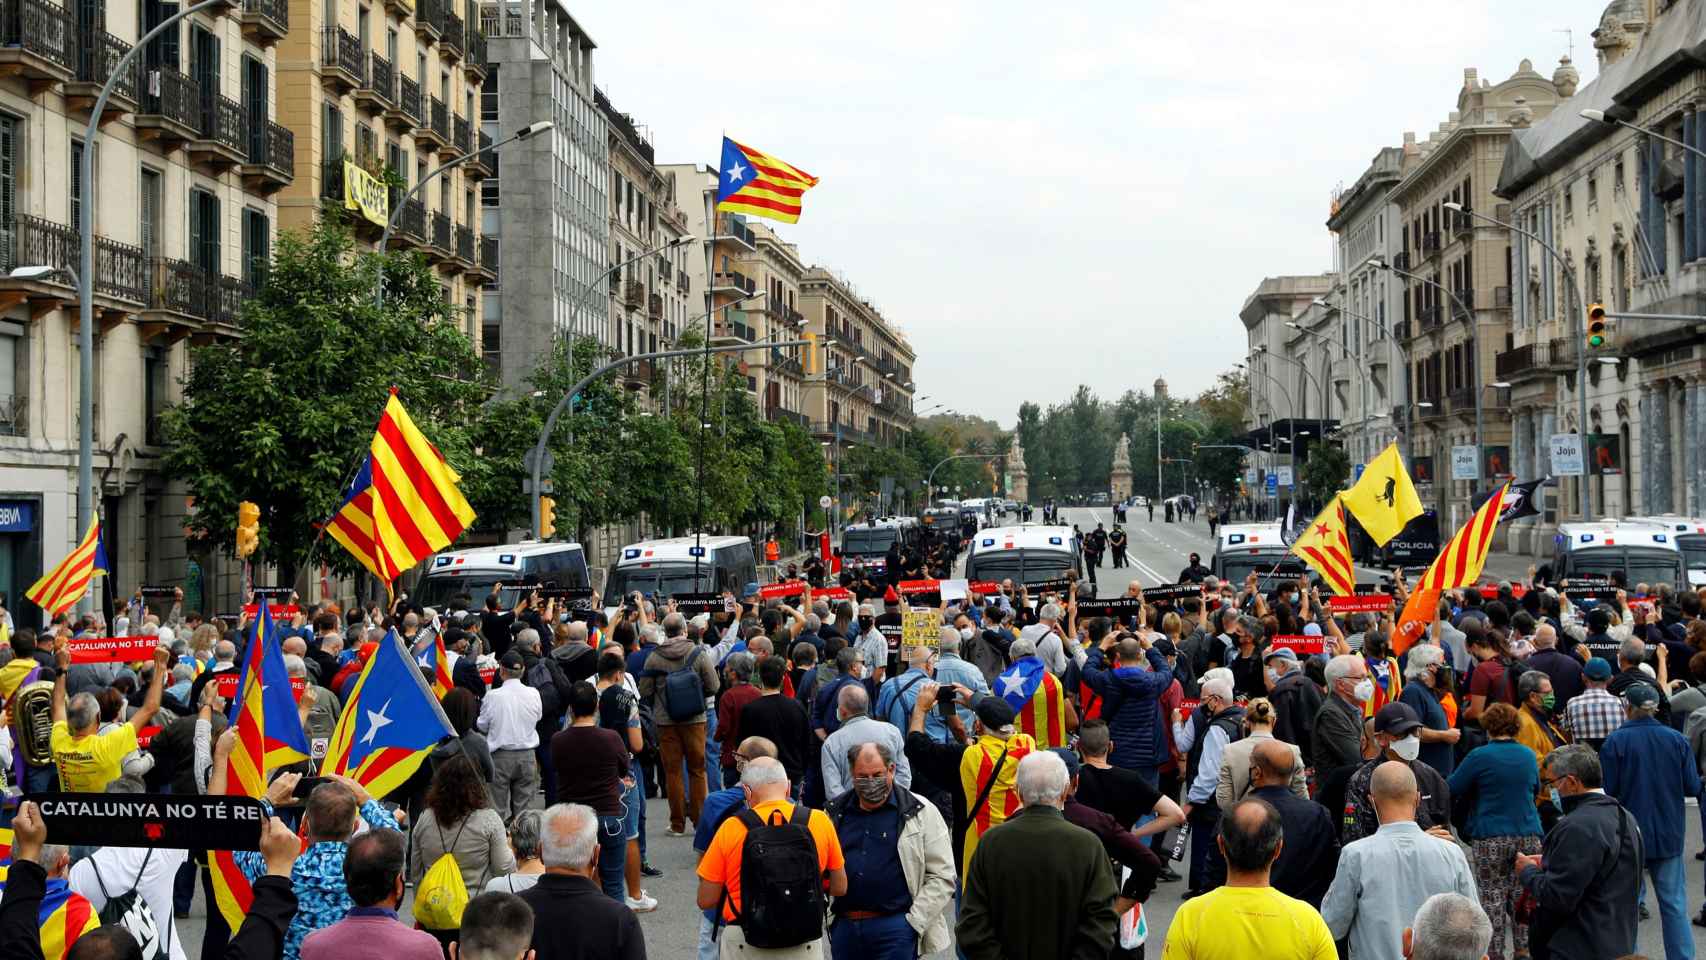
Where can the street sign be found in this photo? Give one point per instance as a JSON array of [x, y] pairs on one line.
[[529, 456], [1567, 458], [824, 501], [1463, 462], [1356, 474], [545, 485], [1273, 484], [1284, 476]]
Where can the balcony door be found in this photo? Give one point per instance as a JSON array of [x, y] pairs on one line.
[[204, 232], [148, 188], [162, 52], [8, 192], [255, 83], [204, 70]]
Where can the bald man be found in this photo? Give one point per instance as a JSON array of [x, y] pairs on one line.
[[1306, 863], [1385, 877]]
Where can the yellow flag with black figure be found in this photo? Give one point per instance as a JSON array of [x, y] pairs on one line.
[[1384, 500]]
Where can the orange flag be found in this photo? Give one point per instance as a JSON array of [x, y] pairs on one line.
[[1418, 615]]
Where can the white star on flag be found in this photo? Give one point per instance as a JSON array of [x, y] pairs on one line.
[[737, 173], [1012, 683], [375, 720]]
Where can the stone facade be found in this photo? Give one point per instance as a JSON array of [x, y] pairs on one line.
[[1351, 336]]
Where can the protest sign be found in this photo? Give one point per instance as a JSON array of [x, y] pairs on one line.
[[1594, 587], [225, 684], [280, 611], [1188, 705], [1057, 585], [693, 604], [297, 686], [954, 590], [920, 628], [918, 586], [145, 736], [1172, 592], [176, 821], [1361, 603], [832, 593], [1303, 646], [788, 588], [159, 598], [985, 587], [112, 649], [1111, 607]]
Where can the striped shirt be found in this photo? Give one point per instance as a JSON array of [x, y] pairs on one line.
[[1593, 714]]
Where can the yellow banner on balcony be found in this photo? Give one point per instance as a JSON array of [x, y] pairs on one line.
[[365, 192]]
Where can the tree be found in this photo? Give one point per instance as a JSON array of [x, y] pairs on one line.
[[282, 414], [1325, 472]]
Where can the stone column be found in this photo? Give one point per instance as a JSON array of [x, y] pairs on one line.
[[1695, 437], [1543, 451], [1688, 497], [1644, 463], [1690, 186], [1662, 463]]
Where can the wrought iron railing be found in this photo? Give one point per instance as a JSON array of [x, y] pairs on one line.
[[409, 98], [462, 135], [464, 244], [440, 120], [42, 242], [476, 55], [120, 270], [278, 11], [489, 255], [172, 96], [430, 13], [183, 287], [42, 28], [332, 179], [441, 231], [380, 78], [273, 146], [339, 48], [224, 122], [98, 54], [411, 221], [455, 36]]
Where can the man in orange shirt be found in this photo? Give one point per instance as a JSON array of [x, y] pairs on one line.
[[765, 784]]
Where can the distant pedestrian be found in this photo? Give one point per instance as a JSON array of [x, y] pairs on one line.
[[509, 717]]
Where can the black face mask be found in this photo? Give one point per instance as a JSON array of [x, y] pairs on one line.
[[866, 622]]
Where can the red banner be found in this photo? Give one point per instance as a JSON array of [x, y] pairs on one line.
[[145, 736], [791, 588], [1300, 645], [1361, 603], [113, 649], [297, 686], [832, 593], [486, 675], [280, 611], [984, 587], [919, 586], [1189, 704]]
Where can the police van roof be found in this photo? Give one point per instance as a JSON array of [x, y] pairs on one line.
[[1673, 522], [1615, 533], [1251, 536], [1024, 536], [674, 549], [507, 556], [879, 523]]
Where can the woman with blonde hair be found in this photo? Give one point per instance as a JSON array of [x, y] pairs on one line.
[[1234, 782]]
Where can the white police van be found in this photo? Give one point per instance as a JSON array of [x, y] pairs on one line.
[[681, 565], [1026, 553], [1245, 548], [1638, 551], [1689, 533], [474, 570], [870, 539]]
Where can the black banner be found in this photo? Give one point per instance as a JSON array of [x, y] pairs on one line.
[[692, 604], [269, 593], [1114, 607], [1589, 587], [178, 821], [1058, 585], [168, 594], [1172, 592]]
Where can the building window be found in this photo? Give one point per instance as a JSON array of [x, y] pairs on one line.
[[155, 372], [1569, 201], [1617, 175], [332, 137], [489, 187], [257, 247], [1593, 190], [8, 187], [489, 97], [204, 231], [76, 200]]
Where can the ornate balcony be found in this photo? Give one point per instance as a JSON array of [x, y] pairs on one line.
[[462, 135], [266, 21], [271, 164], [465, 247], [434, 131], [170, 113], [405, 112], [341, 66], [429, 19], [479, 166], [455, 38], [633, 294], [485, 271], [36, 241], [98, 54], [223, 138], [378, 90], [439, 240], [411, 228], [37, 43], [654, 306], [731, 281], [184, 295], [474, 62]]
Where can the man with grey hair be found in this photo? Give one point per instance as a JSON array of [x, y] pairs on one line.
[[1449, 926], [1064, 905], [1425, 682], [1631, 654], [952, 668], [1052, 645], [87, 759], [853, 707], [572, 916], [1336, 734], [322, 716]]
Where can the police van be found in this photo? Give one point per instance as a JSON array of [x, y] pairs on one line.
[[474, 570], [872, 539], [1246, 548], [1638, 551], [1026, 553], [680, 565], [1689, 533]]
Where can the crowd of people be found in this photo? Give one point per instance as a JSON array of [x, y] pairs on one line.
[[1016, 782]]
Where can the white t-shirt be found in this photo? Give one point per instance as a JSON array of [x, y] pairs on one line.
[[118, 868], [513, 883]]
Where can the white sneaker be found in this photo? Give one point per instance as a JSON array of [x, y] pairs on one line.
[[645, 903]]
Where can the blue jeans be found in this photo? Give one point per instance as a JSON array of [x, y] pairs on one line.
[[707, 946], [612, 856], [1670, 886], [880, 938], [640, 794]]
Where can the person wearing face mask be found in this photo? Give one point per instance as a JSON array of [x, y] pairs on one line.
[[1397, 736], [1499, 781], [900, 864], [1427, 679], [1336, 735], [868, 640], [1536, 729]]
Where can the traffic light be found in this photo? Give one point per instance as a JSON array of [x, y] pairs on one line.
[[248, 528], [547, 518], [1598, 328]]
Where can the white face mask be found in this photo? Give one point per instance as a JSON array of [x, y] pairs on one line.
[[1408, 748], [1364, 691], [965, 633]]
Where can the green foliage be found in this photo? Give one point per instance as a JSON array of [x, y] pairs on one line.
[[1326, 471]]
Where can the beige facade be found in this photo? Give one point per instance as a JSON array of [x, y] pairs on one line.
[[1279, 392], [392, 85], [864, 392], [778, 373], [187, 162], [1457, 312], [649, 299]]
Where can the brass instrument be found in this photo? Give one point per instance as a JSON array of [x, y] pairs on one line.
[[32, 715]]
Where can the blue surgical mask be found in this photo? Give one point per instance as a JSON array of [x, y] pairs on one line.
[[1557, 799]]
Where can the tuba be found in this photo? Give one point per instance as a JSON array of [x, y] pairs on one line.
[[32, 713]]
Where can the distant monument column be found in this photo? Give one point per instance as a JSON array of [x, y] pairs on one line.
[[1119, 479], [1018, 482]]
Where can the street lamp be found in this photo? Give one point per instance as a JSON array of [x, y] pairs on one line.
[[1580, 321], [1319, 385], [538, 126]]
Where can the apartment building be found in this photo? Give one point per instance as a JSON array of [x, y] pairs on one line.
[[1457, 311], [546, 204], [864, 392], [1355, 349], [188, 162], [777, 374], [1280, 388], [381, 93]]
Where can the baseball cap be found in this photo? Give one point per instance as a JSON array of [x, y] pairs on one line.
[[1598, 668], [1069, 757], [1396, 718], [1280, 653], [1641, 695], [995, 713], [512, 660]]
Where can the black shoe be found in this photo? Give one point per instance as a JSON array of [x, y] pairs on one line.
[[647, 870], [1645, 914], [1169, 875], [1700, 854], [1700, 919]]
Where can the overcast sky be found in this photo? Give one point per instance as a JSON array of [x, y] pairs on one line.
[[1044, 195]]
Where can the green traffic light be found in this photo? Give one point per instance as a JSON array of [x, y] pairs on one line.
[[1596, 341]]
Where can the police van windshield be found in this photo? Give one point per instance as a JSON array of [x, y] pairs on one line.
[[1237, 568], [1031, 566], [1693, 549], [665, 580], [867, 541], [1637, 565]]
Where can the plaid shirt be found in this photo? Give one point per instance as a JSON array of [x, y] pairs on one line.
[[322, 898], [1593, 714]]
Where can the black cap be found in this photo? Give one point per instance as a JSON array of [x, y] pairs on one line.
[[1397, 719], [995, 713], [1069, 757], [512, 660]]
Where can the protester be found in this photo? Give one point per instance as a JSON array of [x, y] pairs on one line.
[[1427, 678], [1587, 880], [1535, 729], [1382, 877], [1235, 769], [678, 709], [1336, 733], [1594, 713], [509, 717], [1118, 792], [1222, 723], [111, 872], [899, 863], [1499, 782], [719, 806], [1130, 692], [1247, 917], [1065, 906], [976, 776], [373, 874], [779, 719], [1396, 736], [738, 690], [1295, 698], [855, 727], [1448, 926], [1650, 770], [525, 847], [458, 820], [572, 917], [1305, 866], [87, 758], [496, 926], [592, 766]]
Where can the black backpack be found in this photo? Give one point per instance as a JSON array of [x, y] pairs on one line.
[[781, 884], [130, 911], [539, 678], [683, 689]]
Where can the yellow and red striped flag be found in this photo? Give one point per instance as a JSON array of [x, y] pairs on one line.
[[977, 766], [441, 682], [1460, 562], [66, 583], [753, 182], [1326, 546]]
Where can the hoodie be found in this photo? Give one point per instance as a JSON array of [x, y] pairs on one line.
[[1130, 704], [666, 658]]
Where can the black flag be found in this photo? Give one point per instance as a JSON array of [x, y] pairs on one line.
[[1519, 502]]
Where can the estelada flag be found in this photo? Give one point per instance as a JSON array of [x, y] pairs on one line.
[[1038, 701], [753, 182], [1325, 545], [1384, 500]]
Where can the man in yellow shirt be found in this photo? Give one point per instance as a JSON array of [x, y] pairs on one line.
[[89, 760], [1247, 917]]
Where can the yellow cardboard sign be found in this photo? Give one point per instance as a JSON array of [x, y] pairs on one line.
[[367, 193], [920, 628]]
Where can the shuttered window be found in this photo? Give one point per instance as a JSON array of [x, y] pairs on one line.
[[8, 191]]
